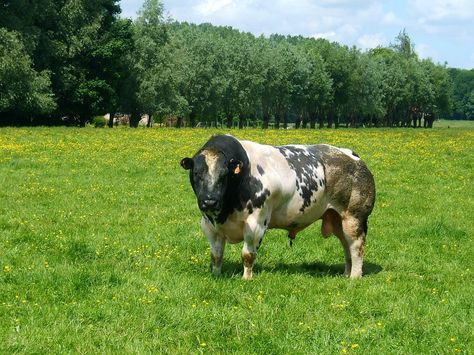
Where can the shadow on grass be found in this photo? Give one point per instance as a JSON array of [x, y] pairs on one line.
[[315, 269]]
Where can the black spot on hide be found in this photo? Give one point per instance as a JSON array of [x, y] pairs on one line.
[[260, 170], [254, 192], [304, 162], [250, 208]]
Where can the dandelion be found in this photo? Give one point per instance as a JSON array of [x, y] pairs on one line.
[[354, 346], [7, 268]]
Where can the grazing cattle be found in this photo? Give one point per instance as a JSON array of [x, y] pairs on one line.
[[244, 188]]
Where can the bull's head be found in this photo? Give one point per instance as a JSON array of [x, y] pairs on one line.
[[210, 173]]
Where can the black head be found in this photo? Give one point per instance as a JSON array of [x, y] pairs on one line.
[[212, 170]]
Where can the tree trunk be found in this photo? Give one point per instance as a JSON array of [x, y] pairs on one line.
[[241, 120], [111, 119], [277, 120], [312, 120], [149, 123], [298, 122], [429, 119], [229, 120], [321, 119], [304, 120], [134, 119], [179, 122], [285, 120], [192, 119], [266, 119], [331, 118], [83, 119]]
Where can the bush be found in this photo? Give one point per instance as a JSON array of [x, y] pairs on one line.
[[99, 122]]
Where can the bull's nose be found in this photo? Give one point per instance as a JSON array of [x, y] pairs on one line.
[[208, 204]]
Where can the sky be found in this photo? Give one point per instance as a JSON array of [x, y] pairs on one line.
[[440, 30]]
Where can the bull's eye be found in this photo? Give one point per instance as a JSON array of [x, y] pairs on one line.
[[196, 176]]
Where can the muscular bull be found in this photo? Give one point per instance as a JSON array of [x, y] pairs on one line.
[[244, 188]]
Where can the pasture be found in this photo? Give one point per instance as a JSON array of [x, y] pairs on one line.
[[101, 250]]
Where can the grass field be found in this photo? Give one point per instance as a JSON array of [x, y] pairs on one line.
[[101, 251]]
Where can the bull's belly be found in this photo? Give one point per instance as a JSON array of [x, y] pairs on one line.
[[291, 217]]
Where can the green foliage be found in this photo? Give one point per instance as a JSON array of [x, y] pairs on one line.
[[82, 61], [71, 40], [156, 84], [463, 96], [99, 122], [23, 90], [101, 251]]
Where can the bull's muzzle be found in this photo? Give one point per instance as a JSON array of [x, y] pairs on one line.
[[208, 205]]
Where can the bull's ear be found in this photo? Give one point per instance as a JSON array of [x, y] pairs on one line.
[[235, 166], [187, 163]]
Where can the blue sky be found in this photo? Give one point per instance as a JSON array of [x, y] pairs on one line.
[[441, 30]]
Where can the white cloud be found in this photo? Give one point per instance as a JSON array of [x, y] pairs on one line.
[[390, 19], [444, 10], [325, 35], [441, 29], [371, 41], [210, 7], [425, 51]]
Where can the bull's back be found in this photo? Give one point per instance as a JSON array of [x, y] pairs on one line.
[[304, 181]]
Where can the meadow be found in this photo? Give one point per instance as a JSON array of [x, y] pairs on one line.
[[101, 250]]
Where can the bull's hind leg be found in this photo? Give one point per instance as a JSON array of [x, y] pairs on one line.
[[354, 230], [332, 223]]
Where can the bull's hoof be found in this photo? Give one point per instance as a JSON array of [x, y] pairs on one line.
[[216, 271], [247, 276]]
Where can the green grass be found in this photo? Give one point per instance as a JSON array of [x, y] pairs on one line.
[[101, 251], [454, 124]]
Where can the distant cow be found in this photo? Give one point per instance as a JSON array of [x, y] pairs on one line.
[[244, 188]]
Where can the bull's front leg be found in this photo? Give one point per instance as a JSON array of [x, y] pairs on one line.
[[253, 235], [217, 245]]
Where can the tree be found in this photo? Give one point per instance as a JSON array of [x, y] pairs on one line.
[[366, 91], [404, 46], [462, 84], [156, 92], [69, 39], [24, 92], [319, 88]]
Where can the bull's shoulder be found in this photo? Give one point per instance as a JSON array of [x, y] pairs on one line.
[[256, 187]]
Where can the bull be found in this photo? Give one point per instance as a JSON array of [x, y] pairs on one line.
[[244, 188]]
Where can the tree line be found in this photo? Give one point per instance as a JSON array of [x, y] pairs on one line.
[[66, 61]]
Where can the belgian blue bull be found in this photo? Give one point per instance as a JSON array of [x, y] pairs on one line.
[[244, 188]]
